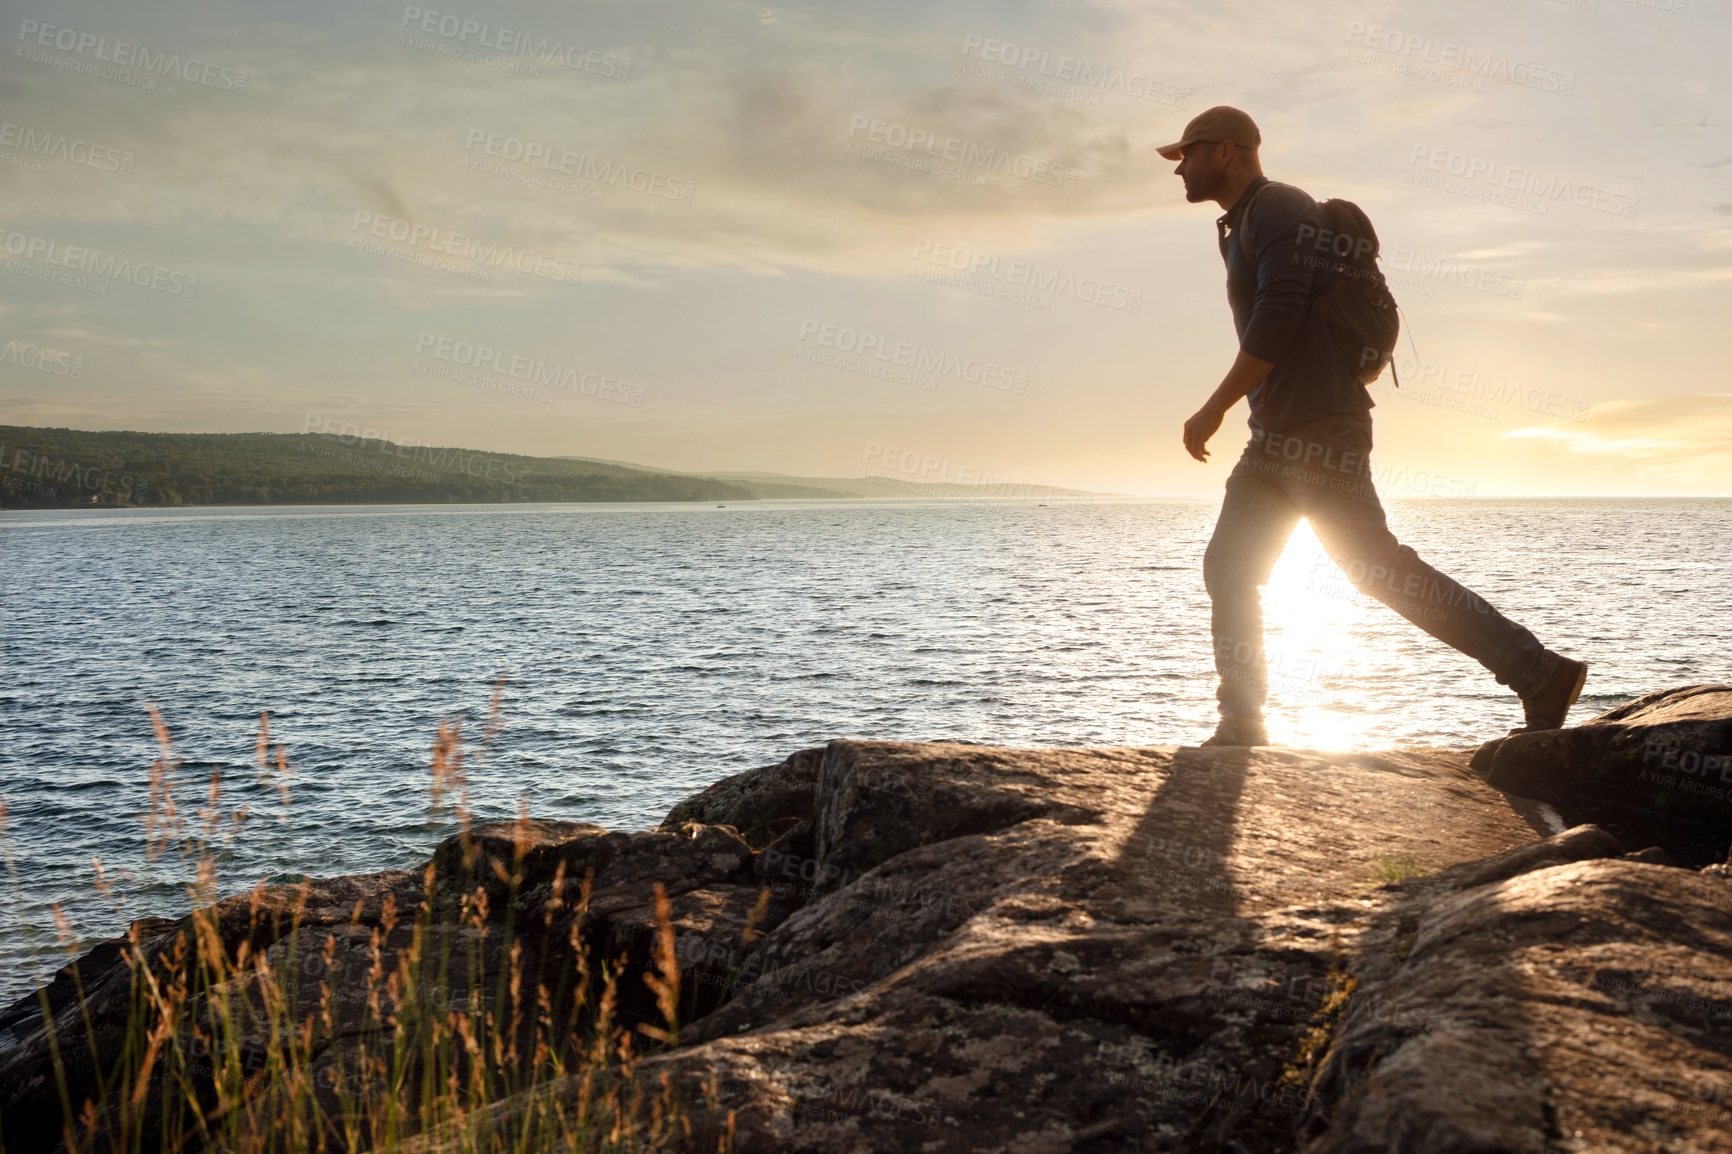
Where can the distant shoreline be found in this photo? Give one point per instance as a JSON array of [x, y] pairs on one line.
[[68, 468], [1086, 499], [1093, 498]]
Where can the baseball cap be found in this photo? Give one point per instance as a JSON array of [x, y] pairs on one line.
[[1221, 122]]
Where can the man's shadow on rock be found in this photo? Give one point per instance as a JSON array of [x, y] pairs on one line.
[[1180, 846]]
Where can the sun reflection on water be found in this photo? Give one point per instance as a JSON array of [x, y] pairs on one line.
[[1323, 676]]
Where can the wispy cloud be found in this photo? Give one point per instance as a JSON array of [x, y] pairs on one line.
[[783, 135], [1683, 438]]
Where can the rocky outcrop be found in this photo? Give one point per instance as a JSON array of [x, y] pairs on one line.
[[888, 946], [1585, 1006], [1658, 769]]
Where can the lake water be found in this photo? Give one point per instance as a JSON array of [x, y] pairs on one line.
[[649, 650]]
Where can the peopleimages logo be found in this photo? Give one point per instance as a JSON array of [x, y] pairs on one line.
[[530, 370], [55, 362], [917, 469], [580, 165], [58, 146], [958, 151], [93, 478], [72, 256], [34, 33], [1474, 392], [1064, 70], [463, 31], [1025, 274], [1450, 271], [1487, 64], [457, 244], [918, 358], [412, 450], [1471, 172]]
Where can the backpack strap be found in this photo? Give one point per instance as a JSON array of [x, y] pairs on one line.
[[1244, 219]]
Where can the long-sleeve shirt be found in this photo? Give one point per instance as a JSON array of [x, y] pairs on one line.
[[1271, 307]]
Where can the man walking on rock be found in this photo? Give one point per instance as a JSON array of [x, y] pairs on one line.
[[1309, 451]]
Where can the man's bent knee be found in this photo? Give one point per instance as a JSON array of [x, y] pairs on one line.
[[1226, 574]]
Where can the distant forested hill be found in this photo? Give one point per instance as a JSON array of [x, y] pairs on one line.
[[61, 468]]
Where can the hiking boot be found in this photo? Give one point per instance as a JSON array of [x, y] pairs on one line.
[[1240, 731], [1547, 706]]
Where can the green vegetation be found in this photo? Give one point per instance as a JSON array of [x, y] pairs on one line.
[[476, 1018], [1395, 869], [63, 468], [68, 468], [1316, 1037]]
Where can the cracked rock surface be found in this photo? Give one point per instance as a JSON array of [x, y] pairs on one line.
[[889, 946]]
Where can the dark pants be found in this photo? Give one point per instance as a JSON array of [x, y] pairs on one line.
[[1321, 470]]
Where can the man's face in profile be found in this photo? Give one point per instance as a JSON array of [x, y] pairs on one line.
[[1203, 168]]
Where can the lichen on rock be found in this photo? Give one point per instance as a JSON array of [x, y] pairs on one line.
[[898, 946]]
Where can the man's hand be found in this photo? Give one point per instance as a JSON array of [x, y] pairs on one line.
[[1247, 372], [1200, 428]]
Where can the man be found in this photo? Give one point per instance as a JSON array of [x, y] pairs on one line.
[[1309, 450]]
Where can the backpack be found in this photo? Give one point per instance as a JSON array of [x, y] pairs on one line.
[[1357, 305]]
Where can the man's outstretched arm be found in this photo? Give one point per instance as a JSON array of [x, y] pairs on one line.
[[1247, 372]]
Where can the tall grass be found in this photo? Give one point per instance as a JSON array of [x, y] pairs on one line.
[[453, 1011]]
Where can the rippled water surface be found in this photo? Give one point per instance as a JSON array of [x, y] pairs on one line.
[[649, 650]]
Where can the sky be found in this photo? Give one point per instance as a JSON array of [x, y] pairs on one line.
[[933, 241]]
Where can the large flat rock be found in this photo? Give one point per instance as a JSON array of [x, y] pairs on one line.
[[890, 946], [1660, 765], [1580, 1007]]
